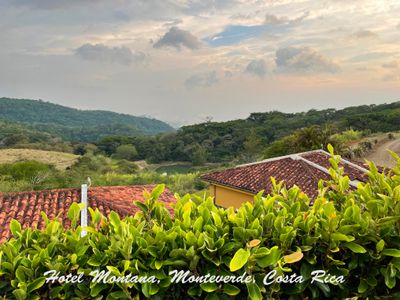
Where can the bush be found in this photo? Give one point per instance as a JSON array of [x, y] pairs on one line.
[[352, 233], [366, 145], [7, 184], [24, 170], [94, 163], [127, 152], [126, 167], [199, 155], [348, 136]]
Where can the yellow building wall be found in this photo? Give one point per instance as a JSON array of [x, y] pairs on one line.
[[227, 197]]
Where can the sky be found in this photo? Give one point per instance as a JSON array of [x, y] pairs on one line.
[[187, 61]]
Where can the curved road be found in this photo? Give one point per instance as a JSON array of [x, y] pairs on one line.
[[381, 156]]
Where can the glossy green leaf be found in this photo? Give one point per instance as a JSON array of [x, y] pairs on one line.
[[231, 290], [254, 291], [380, 245], [36, 284], [391, 252], [15, 228], [354, 247], [239, 259], [209, 287]]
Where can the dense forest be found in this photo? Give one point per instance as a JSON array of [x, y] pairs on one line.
[[260, 135], [73, 124], [247, 139]]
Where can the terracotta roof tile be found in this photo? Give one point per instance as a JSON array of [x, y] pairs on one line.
[[26, 207], [322, 159], [297, 169]]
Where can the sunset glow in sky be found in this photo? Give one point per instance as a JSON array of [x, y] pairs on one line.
[[184, 60]]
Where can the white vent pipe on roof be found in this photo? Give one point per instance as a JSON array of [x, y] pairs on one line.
[[84, 211]]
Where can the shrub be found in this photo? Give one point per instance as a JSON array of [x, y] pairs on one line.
[[24, 170], [7, 185], [199, 155], [354, 233], [127, 152], [366, 145], [126, 167], [348, 135], [95, 163]]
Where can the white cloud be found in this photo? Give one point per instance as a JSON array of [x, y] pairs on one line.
[[364, 34], [337, 32], [103, 53], [178, 38], [391, 65], [202, 79], [304, 59], [272, 19], [392, 77], [49, 4], [257, 67]]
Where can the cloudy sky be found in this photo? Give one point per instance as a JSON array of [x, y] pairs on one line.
[[183, 61]]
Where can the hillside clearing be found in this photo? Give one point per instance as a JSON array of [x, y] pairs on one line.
[[60, 160]]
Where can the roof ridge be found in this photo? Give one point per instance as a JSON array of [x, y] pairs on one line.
[[325, 170], [279, 158], [74, 189], [308, 167], [39, 191], [122, 186], [346, 161]]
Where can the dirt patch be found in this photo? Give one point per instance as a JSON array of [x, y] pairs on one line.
[[381, 156]]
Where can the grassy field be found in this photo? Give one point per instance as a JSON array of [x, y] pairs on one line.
[[60, 160], [175, 168]]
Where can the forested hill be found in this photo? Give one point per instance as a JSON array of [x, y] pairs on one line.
[[225, 140], [272, 125], [25, 122], [74, 124], [248, 138]]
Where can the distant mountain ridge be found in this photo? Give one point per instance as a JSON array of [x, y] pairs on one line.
[[75, 124]]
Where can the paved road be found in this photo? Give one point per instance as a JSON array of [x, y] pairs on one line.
[[381, 156]]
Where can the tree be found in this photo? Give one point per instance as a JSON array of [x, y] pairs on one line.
[[127, 152], [313, 137], [126, 167], [79, 149], [91, 148], [199, 155], [251, 146], [280, 147], [15, 139]]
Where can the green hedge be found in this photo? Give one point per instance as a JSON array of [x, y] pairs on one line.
[[352, 233]]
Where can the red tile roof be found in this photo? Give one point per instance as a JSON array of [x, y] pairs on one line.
[[303, 169], [26, 206], [322, 159]]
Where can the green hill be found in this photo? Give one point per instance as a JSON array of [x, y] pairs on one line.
[[74, 124], [248, 138], [225, 140]]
